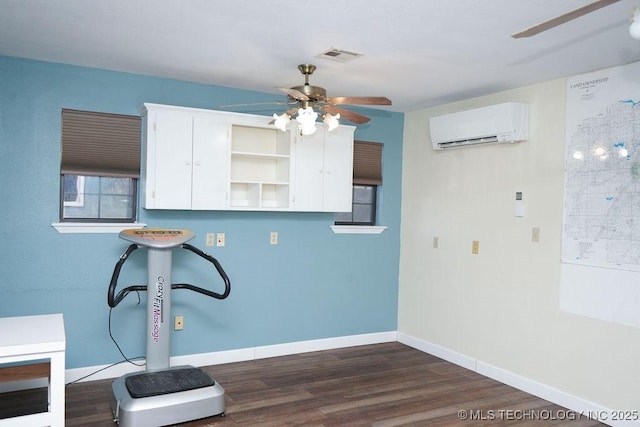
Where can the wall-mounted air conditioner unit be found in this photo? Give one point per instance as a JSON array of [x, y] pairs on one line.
[[507, 122]]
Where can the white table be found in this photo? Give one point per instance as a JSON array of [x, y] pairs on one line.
[[26, 338]]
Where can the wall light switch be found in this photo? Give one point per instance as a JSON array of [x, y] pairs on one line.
[[475, 247], [435, 242]]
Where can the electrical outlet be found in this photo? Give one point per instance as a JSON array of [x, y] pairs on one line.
[[475, 247], [535, 234], [178, 323], [220, 239], [274, 238], [211, 239]]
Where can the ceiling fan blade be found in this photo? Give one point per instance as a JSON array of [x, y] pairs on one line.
[[251, 104], [346, 114], [294, 93], [558, 20], [359, 100]]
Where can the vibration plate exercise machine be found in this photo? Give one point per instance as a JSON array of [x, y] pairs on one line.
[[163, 395]]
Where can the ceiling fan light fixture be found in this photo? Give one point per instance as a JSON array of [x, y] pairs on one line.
[[331, 121], [634, 28], [307, 119], [281, 121]]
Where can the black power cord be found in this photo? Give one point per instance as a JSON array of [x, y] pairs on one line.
[[125, 358]]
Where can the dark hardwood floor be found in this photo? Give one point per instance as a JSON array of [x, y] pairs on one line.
[[376, 385]]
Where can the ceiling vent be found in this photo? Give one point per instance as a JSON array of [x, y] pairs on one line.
[[339, 55]]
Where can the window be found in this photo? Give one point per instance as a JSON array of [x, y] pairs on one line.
[[363, 208], [100, 167], [367, 176]]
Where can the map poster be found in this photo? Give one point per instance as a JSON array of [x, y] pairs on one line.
[[601, 224]]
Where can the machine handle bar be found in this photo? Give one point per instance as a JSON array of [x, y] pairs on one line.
[[115, 300], [221, 272]]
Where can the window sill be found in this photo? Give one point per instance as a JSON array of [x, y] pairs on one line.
[[94, 227], [358, 229]]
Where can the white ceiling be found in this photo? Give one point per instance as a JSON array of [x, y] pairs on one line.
[[419, 53]]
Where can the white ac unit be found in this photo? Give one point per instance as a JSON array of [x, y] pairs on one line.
[[507, 122]]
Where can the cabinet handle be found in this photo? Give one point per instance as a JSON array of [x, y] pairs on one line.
[[187, 162], [197, 163]]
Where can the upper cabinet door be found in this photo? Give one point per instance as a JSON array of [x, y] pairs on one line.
[[169, 160], [324, 170], [338, 170], [186, 159], [210, 162], [309, 172]]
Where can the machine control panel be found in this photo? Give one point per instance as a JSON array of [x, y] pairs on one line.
[[157, 237]]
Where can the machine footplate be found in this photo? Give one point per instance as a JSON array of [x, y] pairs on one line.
[[170, 381]]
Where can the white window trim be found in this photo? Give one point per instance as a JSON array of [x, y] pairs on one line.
[[95, 227], [358, 229]]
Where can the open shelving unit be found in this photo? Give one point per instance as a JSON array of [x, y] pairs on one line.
[[260, 168]]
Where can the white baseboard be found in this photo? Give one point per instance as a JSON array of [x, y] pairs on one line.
[[438, 351], [579, 406], [92, 373]]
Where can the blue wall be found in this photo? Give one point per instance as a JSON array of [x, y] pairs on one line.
[[313, 284]]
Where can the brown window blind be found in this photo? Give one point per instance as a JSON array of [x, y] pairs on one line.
[[100, 144], [367, 163]]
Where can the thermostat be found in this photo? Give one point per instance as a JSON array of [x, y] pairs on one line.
[[519, 209]]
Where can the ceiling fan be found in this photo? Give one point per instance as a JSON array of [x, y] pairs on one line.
[[303, 100], [307, 95], [558, 20]]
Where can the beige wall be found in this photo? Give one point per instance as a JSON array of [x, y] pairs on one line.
[[501, 306]]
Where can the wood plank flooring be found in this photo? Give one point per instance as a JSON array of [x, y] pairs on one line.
[[376, 385]]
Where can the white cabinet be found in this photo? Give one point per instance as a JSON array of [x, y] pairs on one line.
[[185, 159], [324, 170], [194, 159]]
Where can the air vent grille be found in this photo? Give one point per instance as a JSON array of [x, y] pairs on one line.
[[339, 55]]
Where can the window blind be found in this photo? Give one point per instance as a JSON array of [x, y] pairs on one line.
[[367, 163], [100, 144]]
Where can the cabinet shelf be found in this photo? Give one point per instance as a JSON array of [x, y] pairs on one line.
[[258, 141], [240, 181], [259, 195], [240, 154]]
